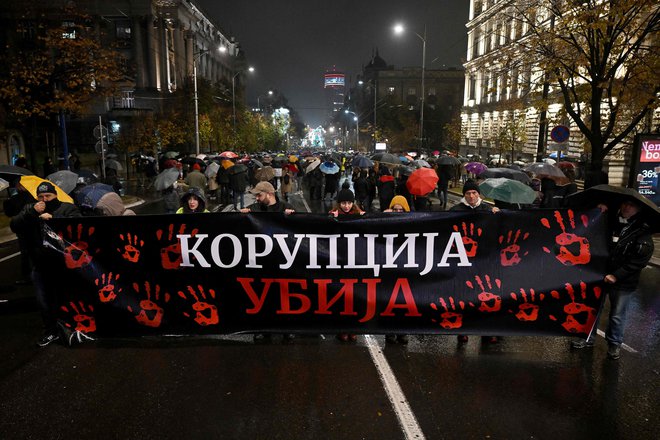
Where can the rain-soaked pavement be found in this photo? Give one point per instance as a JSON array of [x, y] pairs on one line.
[[319, 388]]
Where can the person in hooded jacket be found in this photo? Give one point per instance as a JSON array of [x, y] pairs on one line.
[[30, 220], [193, 201], [385, 186], [111, 204], [361, 186]]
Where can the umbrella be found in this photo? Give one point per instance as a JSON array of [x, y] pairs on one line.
[[3, 184], [362, 162], [421, 163], [31, 183], [87, 176], [88, 196], [212, 169], [226, 164], [264, 174], [507, 190], [312, 165], [613, 196], [406, 170], [544, 169], [9, 172], [386, 158], [228, 155], [565, 166], [435, 153], [550, 161], [475, 168], [329, 168], [404, 160], [279, 161], [518, 175], [166, 178], [65, 179], [202, 156], [293, 159], [192, 161], [447, 160], [255, 163], [554, 155], [422, 181], [113, 165], [171, 154], [237, 169]]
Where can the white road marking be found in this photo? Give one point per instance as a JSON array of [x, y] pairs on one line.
[[624, 346], [9, 257], [404, 413]]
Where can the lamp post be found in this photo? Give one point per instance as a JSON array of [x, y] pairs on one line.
[[233, 93], [398, 29], [270, 93], [196, 58], [375, 86], [357, 128]]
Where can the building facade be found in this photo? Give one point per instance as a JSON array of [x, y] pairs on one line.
[[160, 40]]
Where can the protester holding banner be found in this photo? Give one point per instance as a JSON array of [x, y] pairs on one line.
[[345, 203], [192, 201], [472, 201], [398, 204], [267, 201], [29, 221], [631, 248]]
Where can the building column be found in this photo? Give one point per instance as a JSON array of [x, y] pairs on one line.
[[138, 53]]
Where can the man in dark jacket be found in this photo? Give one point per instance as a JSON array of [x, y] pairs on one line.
[[29, 221], [267, 201], [631, 248], [472, 200]]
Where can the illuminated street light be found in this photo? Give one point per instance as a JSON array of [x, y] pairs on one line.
[[233, 92], [357, 127], [399, 29]]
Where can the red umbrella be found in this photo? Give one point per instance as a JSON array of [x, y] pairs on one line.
[[228, 155], [422, 181]]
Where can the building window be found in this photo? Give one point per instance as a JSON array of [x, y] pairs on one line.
[[412, 91], [123, 30], [125, 100], [68, 30], [432, 91], [390, 90]]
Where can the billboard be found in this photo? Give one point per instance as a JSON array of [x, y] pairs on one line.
[[646, 166], [334, 80]]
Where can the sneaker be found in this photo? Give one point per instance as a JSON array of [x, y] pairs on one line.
[[51, 337], [579, 344], [614, 352]]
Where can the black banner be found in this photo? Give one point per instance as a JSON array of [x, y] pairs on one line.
[[528, 273]]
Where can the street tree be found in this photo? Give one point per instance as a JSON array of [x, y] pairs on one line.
[[601, 58]]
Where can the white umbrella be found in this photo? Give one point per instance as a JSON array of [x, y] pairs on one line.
[[212, 169], [3, 184]]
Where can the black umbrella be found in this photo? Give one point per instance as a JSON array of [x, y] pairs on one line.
[[386, 158], [447, 160], [87, 176], [492, 173], [613, 196], [237, 169], [362, 162], [11, 172]]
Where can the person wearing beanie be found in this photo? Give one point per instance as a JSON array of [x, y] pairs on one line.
[[472, 201], [345, 203], [29, 220], [192, 201], [196, 179], [398, 204]]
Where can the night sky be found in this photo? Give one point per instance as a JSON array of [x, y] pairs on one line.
[[291, 43]]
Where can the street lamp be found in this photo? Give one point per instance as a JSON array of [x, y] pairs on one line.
[[196, 58], [270, 93], [399, 29], [233, 92], [357, 128]]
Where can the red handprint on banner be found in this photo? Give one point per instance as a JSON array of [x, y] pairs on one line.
[[572, 248], [490, 302], [450, 319], [83, 319], [108, 290], [131, 250], [76, 255], [150, 313], [170, 255], [574, 309], [469, 237], [510, 253], [528, 310], [205, 313]]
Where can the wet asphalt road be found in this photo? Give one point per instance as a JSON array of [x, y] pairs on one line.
[[318, 388]]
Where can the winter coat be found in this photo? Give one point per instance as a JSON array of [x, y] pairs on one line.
[[196, 179], [631, 252], [111, 204]]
